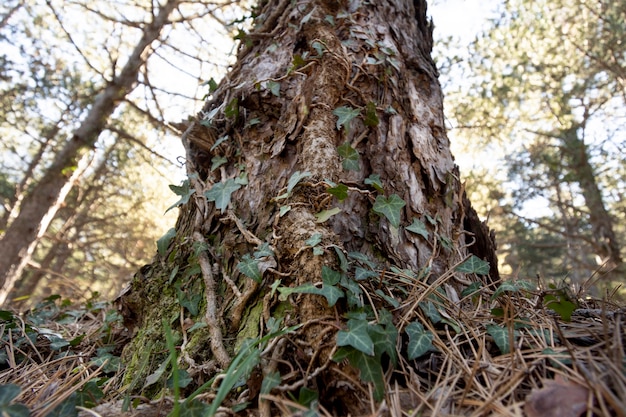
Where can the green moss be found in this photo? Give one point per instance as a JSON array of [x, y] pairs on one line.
[[250, 324]]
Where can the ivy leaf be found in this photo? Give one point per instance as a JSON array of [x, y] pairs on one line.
[[560, 305], [315, 239], [8, 393], [274, 87], [501, 337], [370, 371], [420, 340], [340, 191], [324, 215], [184, 191], [263, 250], [221, 192], [270, 381], [250, 268], [471, 289], [428, 308], [212, 85], [232, 109], [512, 286], [361, 273], [193, 408], [217, 161], [295, 178], [371, 119], [384, 339], [345, 114], [319, 47], [330, 292], [350, 157], [219, 142], [330, 276], [474, 265], [418, 227], [357, 337], [164, 241], [374, 181], [390, 208]]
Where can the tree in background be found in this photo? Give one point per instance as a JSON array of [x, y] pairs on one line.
[[79, 77], [541, 85], [321, 196]]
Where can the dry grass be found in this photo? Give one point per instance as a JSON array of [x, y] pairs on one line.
[[551, 359]]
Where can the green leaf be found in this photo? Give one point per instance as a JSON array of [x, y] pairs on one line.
[[501, 337], [428, 308], [418, 227], [474, 265], [340, 191], [370, 370], [390, 207], [385, 339], [250, 268], [221, 192], [183, 379], [331, 293], [283, 210], [66, 409], [319, 47], [270, 381], [14, 410], [164, 241], [420, 340], [330, 276], [324, 215], [57, 343], [314, 239], [219, 142], [345, 114], [90, 394], [350, 157], [361, 273], [212, 85], [193, 408], [306, 396], [560, 305], [274, 88], [371, 119], [295, 178], [263, 250], [471, 289], [184, 191], [343, 261], [217, 161], [232, 109], [356, 336], [8, 393], [374, 181], [190, 302], [512, 286]]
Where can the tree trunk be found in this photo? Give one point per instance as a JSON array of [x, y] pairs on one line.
[[332, 108], [605, 242], [17, 244]]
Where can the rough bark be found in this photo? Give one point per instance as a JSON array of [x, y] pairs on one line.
[[271, 117], [20, 238], [605, 242]]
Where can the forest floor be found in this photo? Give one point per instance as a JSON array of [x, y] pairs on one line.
[[563, 357]]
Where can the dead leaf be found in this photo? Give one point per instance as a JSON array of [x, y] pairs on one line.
[[557, 398]]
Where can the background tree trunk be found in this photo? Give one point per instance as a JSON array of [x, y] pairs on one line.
[[266, 159], [19, 240]]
